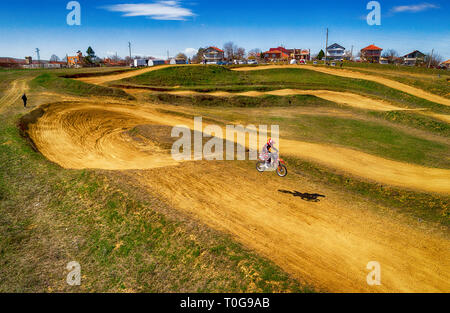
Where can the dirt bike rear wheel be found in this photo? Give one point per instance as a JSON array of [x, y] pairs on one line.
[[282, 170]]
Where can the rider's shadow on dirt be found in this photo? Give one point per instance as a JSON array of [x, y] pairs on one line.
[[304, 196]]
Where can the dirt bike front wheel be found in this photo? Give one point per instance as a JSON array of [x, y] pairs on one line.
[[261, 166], [282, 170]]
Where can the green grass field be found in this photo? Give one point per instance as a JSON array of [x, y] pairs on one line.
[[55, 83], [212, 78]]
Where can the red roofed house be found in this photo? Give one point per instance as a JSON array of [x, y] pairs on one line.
[[371, 54], [446, 64], [213, 55], [283, 54], [277, 54]]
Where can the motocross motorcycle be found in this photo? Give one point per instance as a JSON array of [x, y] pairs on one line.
[[277, 164]]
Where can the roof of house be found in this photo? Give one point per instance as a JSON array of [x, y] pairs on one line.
[[413, 52], [276, 52], [336, 46], [371, 47], [282, 49], [446, 62], [215, 48], [11, 60]]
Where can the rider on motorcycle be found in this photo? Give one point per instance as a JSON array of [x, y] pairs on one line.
[[267, 151]]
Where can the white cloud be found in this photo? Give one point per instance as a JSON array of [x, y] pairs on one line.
[[160, 10], [414, 8], [190, 51]]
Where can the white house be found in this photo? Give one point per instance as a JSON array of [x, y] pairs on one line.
[[213, 55], [413, 58], [335, 52]]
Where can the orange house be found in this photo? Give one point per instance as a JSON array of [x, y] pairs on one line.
[[75, 61], [371, 54]]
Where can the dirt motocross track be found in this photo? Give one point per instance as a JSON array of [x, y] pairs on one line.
[[327, 244]]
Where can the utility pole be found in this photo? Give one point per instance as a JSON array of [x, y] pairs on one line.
[[326, 49], [431, 58], [351, 54], [38, 56], [129, 48]]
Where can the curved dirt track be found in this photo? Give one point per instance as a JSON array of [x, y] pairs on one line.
[[357, 75], [328, 243], [344, 98], [89, 136], [86, 135]]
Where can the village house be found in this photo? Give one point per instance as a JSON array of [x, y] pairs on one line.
[[300, 54], [371, 54], [283, 54], [213, 55], [75, 61], [276, 54], [335, 52], [446, 64], [413, 58]]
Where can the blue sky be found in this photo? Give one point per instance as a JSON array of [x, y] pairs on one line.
[[155, 27]]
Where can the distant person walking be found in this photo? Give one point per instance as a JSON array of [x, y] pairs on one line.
[[25, 99]]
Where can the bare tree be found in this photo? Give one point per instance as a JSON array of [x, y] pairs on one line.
[[391, 55], [255, 54], [229, 49], [433, 59], [240, 53], [348, 55], [128, 60]]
